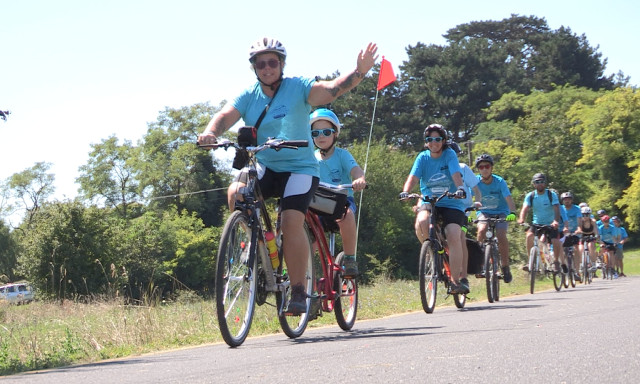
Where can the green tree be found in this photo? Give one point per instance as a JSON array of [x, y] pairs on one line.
[[8, 253], [33, 186], [110, 176], [63, 250], [174, 172], [610, 134]]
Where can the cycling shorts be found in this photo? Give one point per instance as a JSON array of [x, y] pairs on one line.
[[447, 215]]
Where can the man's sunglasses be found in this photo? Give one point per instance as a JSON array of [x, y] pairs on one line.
[[273, 63], [430, 139], [323, 132], [538, 182]]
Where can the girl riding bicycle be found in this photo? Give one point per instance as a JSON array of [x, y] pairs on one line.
[[337, 166], [438, 170]]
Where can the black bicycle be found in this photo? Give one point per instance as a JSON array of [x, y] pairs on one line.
[[245, 272], [434, 259], [492, 260]]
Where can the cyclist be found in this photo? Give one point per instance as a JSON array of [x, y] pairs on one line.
[[572, 213], [546, 211], [437, 169], [600, 213], [609, 237], [496, 202], [288, 174], [623, 239], [587, 227], [337, 166]]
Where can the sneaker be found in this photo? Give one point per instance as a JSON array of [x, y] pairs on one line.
[[565, 269], [623, 275], [455, 287], [526, 268], [350, 267], [577, 277], [555, 267], [298, 303], [506, 274], [464, 283]]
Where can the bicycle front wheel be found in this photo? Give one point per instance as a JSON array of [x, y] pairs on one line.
[[459, 299], [490, 272], [558, 279], [346, 304], [236, 280], [428, 277], [294, 326], [585, 267], [533, 268]]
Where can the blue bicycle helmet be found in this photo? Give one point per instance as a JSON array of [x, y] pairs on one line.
[[325, 114]]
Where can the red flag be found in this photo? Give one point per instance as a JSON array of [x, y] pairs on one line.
[[386, 76]]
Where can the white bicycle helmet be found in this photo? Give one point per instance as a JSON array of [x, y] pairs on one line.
[[267, 44], [585, 210]]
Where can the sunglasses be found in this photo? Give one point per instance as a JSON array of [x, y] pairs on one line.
[[485, 166], [323, 132], [273, 63], [538, 182], [430, 139]]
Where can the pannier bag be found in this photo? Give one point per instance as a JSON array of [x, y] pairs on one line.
[[476, 257], [329, 203]]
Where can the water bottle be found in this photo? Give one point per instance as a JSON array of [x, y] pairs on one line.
[[273, 249]]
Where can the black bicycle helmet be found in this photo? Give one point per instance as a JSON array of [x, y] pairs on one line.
[[484, 157], [539, 176]]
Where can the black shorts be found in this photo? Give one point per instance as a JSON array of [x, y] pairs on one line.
[[447, 215], [552, 233], [294, 190]]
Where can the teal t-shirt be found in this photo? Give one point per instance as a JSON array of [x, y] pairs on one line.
[[543, 212], [287, 119], [337, 168], [436, 176]]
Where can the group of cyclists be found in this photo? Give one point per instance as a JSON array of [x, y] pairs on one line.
[[279, 106]]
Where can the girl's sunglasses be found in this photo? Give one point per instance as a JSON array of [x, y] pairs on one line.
[[273, 63], [323, 132], [430, 139]]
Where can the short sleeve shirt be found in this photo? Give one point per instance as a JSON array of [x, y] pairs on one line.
[[287, 119], [494, 195], [337, 168], [543, 212], [435, 176]]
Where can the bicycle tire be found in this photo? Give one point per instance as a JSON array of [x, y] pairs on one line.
[[489, 272], [586, 278], [460, 299], [497, 268], [235, 279], [294, 326], [428, 277], [558, 279], [572, 271], [533, 267], [567, 276], [346, 304]]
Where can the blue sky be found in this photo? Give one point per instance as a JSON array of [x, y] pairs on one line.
[[76, 72]]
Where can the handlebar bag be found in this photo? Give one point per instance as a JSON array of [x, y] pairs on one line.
[[329, 203]]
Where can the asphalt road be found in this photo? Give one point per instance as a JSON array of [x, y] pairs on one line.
[[584, 335]]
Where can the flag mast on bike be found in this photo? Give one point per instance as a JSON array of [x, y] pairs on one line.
[[385, 78]]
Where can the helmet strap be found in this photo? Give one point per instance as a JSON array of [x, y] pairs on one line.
[[324, 152], [273, 85]]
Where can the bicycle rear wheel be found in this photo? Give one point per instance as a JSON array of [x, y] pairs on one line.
[[533, 267], [346, 304], [428, 277], [236, 280], [294, 326]]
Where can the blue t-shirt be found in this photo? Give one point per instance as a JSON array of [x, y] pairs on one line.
[[543, 212], [337, 168], [435, 176], [287, 119], [608, 234], [494, 195], [571, 215], [623, 235]]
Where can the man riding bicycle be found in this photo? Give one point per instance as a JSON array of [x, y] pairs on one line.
[[545, 206], [496, 202], [438, 170], [279, 107]]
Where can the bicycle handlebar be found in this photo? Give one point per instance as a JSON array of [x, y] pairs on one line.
[[430, 199], [273, 143]]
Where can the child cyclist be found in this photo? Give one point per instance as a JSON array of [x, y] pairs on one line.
[[337, 166]]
